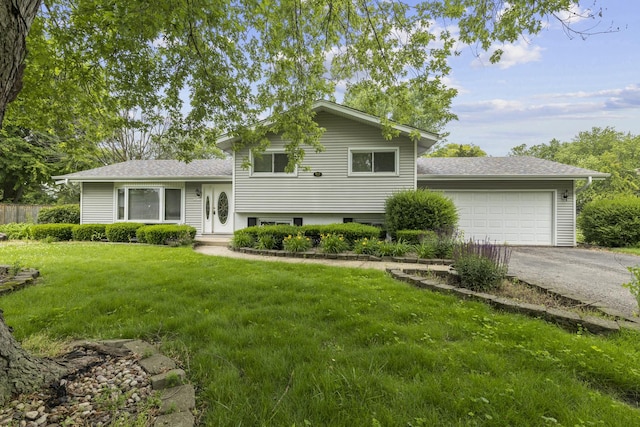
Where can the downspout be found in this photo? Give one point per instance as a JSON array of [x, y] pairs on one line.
[[584, 187]]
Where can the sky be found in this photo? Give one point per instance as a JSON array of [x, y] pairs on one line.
[[552, 85]]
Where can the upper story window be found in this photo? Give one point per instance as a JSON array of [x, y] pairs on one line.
[[373, 162], [270, 163], [152, 204]]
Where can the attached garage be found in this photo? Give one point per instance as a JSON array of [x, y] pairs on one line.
[[513, 200], [516, 217]]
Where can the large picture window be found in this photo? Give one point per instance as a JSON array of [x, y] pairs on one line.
[[270, 163], [364, 162], [149, 204]]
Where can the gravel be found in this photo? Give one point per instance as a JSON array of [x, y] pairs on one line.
[[115, 390]]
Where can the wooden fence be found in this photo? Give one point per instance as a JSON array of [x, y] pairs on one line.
[[19, 213]]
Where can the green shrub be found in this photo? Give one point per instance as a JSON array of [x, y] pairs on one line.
[[420, 210], [332, 243], [366, 246], [634, 285], [481, 266], [16, 231], [63, 214], [166, 234], [611, 222], [266, 242], [52, 232], [89, 232], [426, 249], [122, 231], [277, 233], [351, 231], [414, 237], [242, 240], [297, 243]]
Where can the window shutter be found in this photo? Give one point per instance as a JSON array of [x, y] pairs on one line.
[[297, 221]]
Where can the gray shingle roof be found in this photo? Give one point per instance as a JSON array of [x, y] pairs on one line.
[[499, 167], [156, 169]]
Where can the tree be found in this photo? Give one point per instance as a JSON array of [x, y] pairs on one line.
[[236, 60], [601, 149], [458, 150]]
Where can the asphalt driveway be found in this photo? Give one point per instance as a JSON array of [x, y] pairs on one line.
[[595, 275]]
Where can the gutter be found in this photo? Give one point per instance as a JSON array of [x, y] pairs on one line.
[[585, 186]]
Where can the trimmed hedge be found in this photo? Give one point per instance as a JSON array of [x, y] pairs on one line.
[[163, 234], [60, 232], [420, 210], [63, 214], [89, 232], [122, 231], [275, 234], [611, 222]]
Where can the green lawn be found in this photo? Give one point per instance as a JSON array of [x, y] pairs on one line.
[[279, 344]]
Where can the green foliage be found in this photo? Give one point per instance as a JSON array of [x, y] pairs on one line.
[[166, 234], [89, 232], [242, 239], [353, 343], [52, 232], [600, 149], [297, 243], [426, 249], [420, 210], [634, 284], [266, 242], [458, 150], [332, 243], [415, 237], [63, 214], [15, 231], [123, 232], [366, 246], [481, 266], [396, 249], [613, 223]]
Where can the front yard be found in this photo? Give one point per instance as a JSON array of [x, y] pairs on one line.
[[285, 344]]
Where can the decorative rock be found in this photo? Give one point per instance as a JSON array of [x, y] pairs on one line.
[[31, 415]]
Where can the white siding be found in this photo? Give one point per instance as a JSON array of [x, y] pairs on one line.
[[564, 209], [193, 207], [334, 191], [97, 203]]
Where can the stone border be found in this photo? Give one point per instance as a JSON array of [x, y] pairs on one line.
[[24, 278], [341, 256], [566, 319], [178, 398]]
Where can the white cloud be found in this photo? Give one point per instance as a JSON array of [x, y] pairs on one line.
[[513, 54]]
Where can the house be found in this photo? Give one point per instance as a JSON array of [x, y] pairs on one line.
[[518, 200]]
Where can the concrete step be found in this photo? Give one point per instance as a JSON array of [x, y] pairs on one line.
[[214, 240]]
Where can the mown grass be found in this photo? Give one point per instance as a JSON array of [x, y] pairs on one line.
[[278, 344]]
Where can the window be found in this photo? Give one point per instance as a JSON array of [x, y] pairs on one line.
[[149, 204], [367, 162], [274, 221], [270, 163]]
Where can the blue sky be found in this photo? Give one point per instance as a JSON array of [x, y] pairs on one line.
[[551, 86]]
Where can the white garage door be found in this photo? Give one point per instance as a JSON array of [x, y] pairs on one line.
[[514, 217]]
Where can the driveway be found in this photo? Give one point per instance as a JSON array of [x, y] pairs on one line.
[[595, 275]]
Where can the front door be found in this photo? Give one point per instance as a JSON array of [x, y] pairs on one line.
[[217, 208]]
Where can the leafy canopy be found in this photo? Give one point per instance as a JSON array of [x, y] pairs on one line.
[[219, 66], [601, 149]]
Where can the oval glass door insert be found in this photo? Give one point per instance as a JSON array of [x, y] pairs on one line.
[[223, 207], [207, 207]]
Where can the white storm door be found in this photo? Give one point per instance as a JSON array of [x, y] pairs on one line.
[[222, 209]]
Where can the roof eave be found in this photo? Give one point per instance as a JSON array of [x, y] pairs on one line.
[[508, 177], [143, 178]]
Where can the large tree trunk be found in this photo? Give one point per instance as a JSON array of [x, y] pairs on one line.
[[21, 372], [16, 17]]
